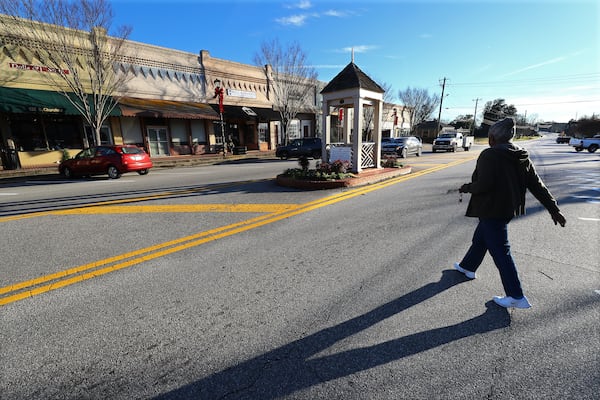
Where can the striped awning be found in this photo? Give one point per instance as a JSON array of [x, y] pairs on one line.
[[135, 107]]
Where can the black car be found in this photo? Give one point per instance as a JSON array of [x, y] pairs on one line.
[[402, 146], [563, 139], [309, 147]]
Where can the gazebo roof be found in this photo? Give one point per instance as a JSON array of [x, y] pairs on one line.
[[352, 77]]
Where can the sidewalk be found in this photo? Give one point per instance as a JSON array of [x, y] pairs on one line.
[[159, 162]]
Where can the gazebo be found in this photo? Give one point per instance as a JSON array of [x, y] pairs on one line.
[[352, 90]]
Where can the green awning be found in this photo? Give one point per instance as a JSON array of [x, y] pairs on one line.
[[26, 101]]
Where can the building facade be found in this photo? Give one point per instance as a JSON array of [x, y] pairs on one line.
[[167, 104]]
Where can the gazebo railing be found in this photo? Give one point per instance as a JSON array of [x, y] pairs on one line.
[[344, 151]]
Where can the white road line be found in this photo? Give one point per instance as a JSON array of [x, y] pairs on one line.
[[181, 173], [115, 181], [589, 219], [9, 194], [48, 182]]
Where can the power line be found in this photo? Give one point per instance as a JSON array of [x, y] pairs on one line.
[[535, 104], [583, 78]]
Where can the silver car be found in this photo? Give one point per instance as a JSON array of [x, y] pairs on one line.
[[402, 146]]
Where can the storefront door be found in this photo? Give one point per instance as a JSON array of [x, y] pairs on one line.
[[158, 141]]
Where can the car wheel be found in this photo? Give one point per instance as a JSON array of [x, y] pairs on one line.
[[284, 155], [404, 153], [419, 152], [453, 148], [113, 172], [67, 173], [143, 172], [593, 148], [578, 148], [316, 154]]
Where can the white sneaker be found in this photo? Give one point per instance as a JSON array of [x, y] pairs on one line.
[[508, 301], [468, 274]]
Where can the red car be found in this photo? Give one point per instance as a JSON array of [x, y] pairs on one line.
[[111, 160]]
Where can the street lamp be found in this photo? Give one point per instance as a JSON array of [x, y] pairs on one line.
[[219, 94]]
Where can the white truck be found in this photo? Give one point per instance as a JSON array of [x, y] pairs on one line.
[[590, 144], [450, 140]]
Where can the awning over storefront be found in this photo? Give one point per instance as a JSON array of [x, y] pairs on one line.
[[22, 101], [134, 107], [248, 113]]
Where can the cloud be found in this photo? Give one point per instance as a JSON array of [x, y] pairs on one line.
[[296, 20], [302, 4], [302, 19], [334, 13], [357, 49], [534, 66]]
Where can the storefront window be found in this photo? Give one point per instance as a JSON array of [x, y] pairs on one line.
[[44, 132], [105, 135], [263, 132], [294, 129]]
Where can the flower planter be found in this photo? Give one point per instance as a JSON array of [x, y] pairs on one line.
[[364, 178]]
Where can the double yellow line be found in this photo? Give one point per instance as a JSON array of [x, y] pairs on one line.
[[277, 212]]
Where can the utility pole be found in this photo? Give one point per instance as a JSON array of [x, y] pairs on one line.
[[474, 116], [441, 101]]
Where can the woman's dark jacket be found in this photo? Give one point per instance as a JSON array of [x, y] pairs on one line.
[[499, 183]]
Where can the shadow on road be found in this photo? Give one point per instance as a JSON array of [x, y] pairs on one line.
[[293, 367]]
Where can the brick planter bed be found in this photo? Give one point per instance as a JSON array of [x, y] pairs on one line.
[[364, 178]]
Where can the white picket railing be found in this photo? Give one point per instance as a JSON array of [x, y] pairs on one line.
[[343, 151]]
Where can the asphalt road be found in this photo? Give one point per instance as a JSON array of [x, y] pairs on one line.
[[214, 283]]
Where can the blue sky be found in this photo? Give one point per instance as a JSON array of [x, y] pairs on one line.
[[543, 56]]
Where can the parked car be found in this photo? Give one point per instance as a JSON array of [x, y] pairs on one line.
[[563, 139], [309, 147], [111, 160], [402, 146]]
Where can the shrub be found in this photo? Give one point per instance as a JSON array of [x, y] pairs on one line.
[[389, 162], [65, 155], [303, 162], [340, 167], [323, 171]]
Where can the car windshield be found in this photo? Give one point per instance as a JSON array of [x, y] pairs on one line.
[[131, 150], [296, 142], [448, 135]]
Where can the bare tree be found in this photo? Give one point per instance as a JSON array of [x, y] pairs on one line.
[[420, 104], [71, 39], [292, 82], [369, 112]]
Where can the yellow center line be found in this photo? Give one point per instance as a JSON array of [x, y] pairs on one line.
[[179, 208], [277, 212], [82, 208]]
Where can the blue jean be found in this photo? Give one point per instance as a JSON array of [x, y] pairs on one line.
[[492, 235]]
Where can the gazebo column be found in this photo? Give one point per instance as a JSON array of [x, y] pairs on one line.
[[377, 139], [326, 123], [347, 126], [357, 136]]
